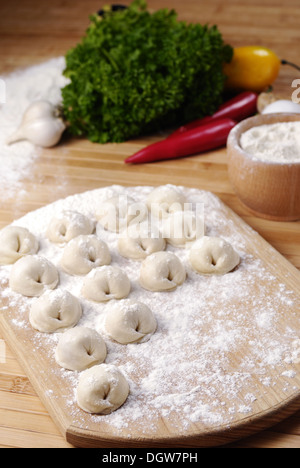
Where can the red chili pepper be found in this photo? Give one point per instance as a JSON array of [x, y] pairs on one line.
[[204, 138], [238, 108]]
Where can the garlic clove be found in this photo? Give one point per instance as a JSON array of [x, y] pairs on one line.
[[41, 125], [39, 110], [15, 137], [43, 132], [282, 105]]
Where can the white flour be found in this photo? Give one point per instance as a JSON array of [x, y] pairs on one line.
[[219, 345], [279, 142], [42, 81]]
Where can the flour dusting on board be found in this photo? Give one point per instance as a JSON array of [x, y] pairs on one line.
[[220, 344]]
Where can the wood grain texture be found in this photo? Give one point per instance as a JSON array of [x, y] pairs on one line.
[[32, 32]]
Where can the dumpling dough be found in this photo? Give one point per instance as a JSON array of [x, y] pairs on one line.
[[55, 311], [80, 348], [130, 322], [102, 389], [164, 200], [162, 271], [105, 283], [33, 275], [182, 227], [213, 255], [15, 242], [84, 253], [119, 212], [67, 225], [137, 243]]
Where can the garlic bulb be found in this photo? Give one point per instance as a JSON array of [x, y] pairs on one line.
[[282, 105], [41, 125]]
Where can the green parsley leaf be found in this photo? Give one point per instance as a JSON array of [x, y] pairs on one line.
[[136, 72]]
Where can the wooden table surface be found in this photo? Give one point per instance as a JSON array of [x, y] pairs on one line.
[[32, 32]]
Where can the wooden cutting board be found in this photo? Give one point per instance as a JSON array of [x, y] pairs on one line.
[[256, 362]]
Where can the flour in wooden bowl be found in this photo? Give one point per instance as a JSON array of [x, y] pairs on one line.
[[222, 346], [278, 142]]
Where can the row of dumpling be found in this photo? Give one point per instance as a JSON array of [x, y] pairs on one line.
[[56, 310], [85, 253], [166, 217], [79, 348]]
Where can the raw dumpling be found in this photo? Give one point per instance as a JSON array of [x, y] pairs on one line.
[[137, 243], [162, 271], [80, 348], [84, 253], [164, 200], [182, 227], [105, 283], [130, 322], [213, 255], [102, 389], [55, 311], [33, 275], [15, 242], [119, 212], [67, 225]]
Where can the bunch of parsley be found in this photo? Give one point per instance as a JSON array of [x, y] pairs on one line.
[[136, 72]]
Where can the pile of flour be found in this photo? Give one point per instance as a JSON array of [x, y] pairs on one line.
[[22, 87], [277, 143]]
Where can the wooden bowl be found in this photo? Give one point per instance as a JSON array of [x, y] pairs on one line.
[[268, 189]]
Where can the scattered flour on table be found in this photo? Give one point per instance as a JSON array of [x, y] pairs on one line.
[[43, 81], [217, 336]]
